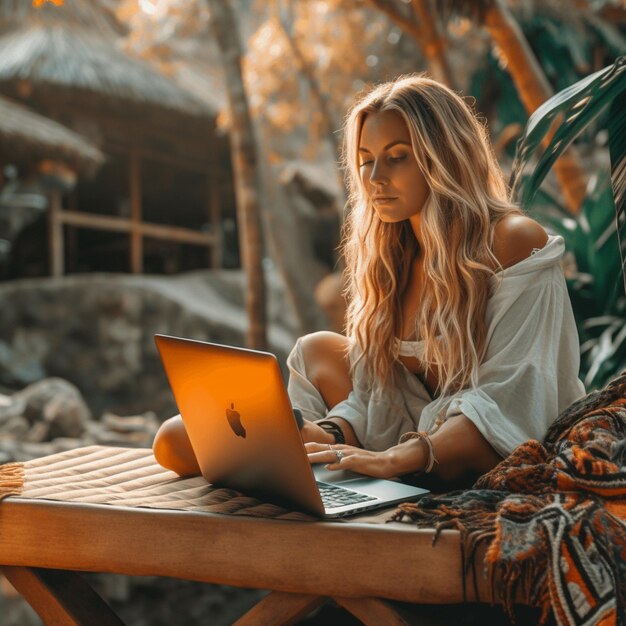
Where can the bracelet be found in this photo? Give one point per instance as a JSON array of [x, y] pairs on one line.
[[425, 437], [334, 429]]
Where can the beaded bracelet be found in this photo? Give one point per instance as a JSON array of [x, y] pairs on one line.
[[334, 429], [425, 437]]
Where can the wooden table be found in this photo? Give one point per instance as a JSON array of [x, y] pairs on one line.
[[359, 564]]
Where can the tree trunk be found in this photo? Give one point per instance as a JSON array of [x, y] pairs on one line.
[[425, 32], [534, 89], [292, 250], [245, 169], [288, 233], [321, 100], [433, 42]]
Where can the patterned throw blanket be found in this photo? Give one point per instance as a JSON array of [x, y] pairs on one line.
[[553, 516]]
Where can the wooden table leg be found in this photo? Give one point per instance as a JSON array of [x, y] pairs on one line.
[[372, 611], [280, 609], [60, 597]]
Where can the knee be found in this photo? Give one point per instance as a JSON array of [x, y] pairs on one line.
[[325, 349], [172, 448]]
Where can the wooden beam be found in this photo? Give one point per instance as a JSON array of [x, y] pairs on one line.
[[55, 234], [215, 211], [136, 243], [123, 225], [71, 237], [372, 611], [61, 598], [280, 609]]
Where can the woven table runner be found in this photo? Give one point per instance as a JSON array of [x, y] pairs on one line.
[[127, 477]]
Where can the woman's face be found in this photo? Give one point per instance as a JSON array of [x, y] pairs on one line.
[[389, 171]]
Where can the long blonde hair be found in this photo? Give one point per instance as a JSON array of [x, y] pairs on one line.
[[467, 197]]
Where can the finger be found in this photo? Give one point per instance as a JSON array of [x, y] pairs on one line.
[[315, 446], [354, 462], [326, 445], [324, 456], [336, 465], [345, 463]]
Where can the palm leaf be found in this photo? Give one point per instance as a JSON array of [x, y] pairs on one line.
[[617, 151], [579, 105]]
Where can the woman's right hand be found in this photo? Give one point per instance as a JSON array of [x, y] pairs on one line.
[[312, 432]]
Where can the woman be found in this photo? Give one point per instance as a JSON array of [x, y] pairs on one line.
[[460, 339]]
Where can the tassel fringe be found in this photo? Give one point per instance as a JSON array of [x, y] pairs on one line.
[[11, 479]]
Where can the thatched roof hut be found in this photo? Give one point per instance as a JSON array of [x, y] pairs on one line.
[[167, 179], [76, 46], [26, 136], [61, 57]]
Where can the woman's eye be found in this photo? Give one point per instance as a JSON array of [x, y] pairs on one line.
[[392, 159]]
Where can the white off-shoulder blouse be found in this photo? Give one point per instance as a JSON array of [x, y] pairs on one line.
[[528, 376]]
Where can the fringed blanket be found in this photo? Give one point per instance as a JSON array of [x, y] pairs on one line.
[[553, 516]]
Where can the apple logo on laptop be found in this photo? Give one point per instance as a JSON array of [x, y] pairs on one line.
[[234, 419]]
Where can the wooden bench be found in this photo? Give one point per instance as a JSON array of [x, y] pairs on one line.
[[59, 526]]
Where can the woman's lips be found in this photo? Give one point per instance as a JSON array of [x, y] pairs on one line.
[[384, 199]]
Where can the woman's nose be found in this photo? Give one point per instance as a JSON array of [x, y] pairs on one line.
[[377, 174]]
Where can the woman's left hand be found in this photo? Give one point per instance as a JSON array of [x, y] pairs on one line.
[[377, 464]]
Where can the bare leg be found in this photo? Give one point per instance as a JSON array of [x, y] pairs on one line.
[[328, 369], [327, 365], [172, 448], [319, 379]]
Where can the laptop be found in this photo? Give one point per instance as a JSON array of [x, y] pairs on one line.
[[242, 428]]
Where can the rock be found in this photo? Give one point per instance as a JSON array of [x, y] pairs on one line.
[[61, 444], [21, 362], [16, 427], [39, 394], [134, 440], [25, 450], [66, 416], [11, 407], [38, 433], [97, 331], [146, 423]]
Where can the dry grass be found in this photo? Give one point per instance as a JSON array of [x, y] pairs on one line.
[[68, 57], [25, 134]]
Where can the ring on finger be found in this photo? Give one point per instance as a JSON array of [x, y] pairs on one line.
[[339, 454]]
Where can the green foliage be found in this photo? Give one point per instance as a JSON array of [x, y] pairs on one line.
[[496, 95], [578, 106], [567, 44], [596, 238], [595, 288]]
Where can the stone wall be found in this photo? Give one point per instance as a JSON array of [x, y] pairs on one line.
[[96, 331]]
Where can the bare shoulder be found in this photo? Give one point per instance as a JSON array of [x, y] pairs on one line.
[[515, 237]]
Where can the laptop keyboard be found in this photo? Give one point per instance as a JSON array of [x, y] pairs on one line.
[[334, 496]]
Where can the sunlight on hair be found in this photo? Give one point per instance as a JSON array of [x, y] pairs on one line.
[[468, 196], [40, 3]]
